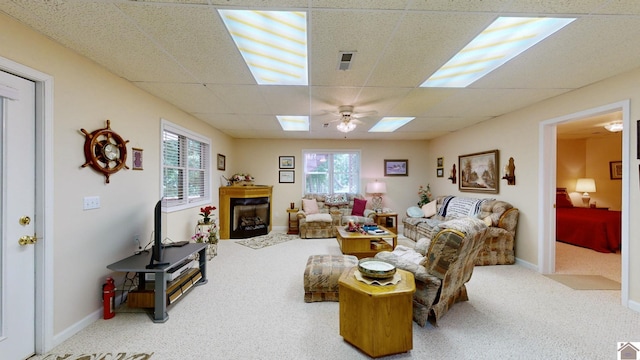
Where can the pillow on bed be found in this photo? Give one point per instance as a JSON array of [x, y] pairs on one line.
[[563, 200]]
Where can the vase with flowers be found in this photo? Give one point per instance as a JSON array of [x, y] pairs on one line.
[[205, 212], [240, 179]]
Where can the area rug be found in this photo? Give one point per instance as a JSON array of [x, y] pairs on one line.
[[99, 356], [586, 282], [259, 242]]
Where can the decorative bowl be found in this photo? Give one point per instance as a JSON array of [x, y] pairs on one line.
[[376, 269]]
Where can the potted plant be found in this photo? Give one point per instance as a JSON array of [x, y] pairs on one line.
[[205, 212]]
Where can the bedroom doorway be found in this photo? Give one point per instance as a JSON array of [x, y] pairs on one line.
[[585, 149], [548, 180]]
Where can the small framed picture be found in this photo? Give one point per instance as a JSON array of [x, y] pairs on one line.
[[222, 162], [615, 170], [136, 163], [440, 162], [287, 176], [440, 172], [396, 167], [287, 162]]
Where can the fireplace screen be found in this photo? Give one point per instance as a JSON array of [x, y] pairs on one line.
[[250, 217]]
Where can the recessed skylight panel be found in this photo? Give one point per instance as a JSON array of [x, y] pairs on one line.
[[504, 39], [390, 124], [272, 43], [294, 123]]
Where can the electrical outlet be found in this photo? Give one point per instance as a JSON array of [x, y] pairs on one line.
[[91, 202]]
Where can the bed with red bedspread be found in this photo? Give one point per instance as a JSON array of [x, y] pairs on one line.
[[596, 229]]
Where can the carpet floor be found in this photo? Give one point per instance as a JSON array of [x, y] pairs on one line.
[[585, 282]]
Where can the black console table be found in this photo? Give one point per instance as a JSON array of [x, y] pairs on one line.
[[174, 256]]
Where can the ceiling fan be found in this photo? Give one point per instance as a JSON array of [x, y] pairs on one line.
[[348, 119]]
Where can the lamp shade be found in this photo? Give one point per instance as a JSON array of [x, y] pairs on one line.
[[376, 188], [586, 185]]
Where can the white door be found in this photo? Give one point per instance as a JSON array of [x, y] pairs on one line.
[[17, 202]]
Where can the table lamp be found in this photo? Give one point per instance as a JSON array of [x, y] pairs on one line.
[[585, 186], [376, 189]]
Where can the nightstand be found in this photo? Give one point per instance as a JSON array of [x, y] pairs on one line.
[[388, 220], [293, 221]]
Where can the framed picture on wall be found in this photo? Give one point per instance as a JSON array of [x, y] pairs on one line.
[[479, 172], [222, 162], [615, 170], [440, 162], [287, 176], [287, 162], [440, 172], [396, 167], [136, 163]]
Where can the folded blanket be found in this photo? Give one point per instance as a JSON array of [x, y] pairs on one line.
[[408, 254]]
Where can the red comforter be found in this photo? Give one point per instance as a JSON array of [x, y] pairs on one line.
[[591, 228]]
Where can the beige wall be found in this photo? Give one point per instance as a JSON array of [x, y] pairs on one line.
[[517, 134], [590, 158], [85, 96], [260, 159]]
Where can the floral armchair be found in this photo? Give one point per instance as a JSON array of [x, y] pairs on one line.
[[441, 266], [321, 213]]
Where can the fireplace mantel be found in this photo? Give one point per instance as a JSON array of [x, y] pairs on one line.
[[239, 192]]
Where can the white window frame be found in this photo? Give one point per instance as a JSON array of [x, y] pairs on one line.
[[331, 152], [181, 204]]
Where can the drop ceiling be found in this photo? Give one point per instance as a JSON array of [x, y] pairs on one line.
[[180, 51]]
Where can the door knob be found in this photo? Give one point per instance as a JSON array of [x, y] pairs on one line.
[[27, 240], [24, 220]]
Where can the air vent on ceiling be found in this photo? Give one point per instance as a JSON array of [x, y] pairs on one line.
[[345, 59]]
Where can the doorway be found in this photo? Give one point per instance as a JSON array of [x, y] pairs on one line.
[[546, 191], [42, 202]]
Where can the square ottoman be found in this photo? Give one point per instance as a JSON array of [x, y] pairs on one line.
[[321, 276]]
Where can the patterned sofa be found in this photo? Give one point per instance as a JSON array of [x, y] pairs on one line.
[[333, 210], [441, 266], [501, 215]]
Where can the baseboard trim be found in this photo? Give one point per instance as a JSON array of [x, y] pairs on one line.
[[526, 264], [634, 305], [80, 325]]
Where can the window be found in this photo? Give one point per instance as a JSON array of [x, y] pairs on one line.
[[186, 167], [331, 172]]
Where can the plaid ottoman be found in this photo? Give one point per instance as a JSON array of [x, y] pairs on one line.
[[321, 276]]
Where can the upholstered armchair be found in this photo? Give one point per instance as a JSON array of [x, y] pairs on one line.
[[441, 266]]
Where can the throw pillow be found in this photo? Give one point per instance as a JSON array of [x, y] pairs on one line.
[[310, 206], [415, 212], [336, 199], [358, 207], [429, 209], [563, 201]]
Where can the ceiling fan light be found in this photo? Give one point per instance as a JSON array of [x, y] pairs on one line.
[[615, 126], [346, 126]]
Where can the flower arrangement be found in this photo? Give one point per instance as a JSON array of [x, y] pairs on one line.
[[241, 177], [208, 236], [205, 212], [425, 194]]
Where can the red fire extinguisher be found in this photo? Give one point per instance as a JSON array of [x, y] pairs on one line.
[[109, 298]]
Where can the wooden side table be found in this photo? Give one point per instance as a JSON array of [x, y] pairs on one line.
[[377, 319], [388, 220], [293, 221]]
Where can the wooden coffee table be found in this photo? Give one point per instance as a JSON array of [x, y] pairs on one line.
[[365, 245]]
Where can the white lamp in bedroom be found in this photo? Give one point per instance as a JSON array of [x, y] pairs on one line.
[[585, 186]]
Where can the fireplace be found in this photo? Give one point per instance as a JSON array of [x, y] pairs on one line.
[[245, 211], [249, 217]]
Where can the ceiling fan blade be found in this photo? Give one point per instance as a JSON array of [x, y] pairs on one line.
[[360, 115]]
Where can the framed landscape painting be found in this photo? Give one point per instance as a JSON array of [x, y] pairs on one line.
[[479, 172], [396, 168]]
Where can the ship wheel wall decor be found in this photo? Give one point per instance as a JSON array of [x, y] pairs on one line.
[[105, 151]]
